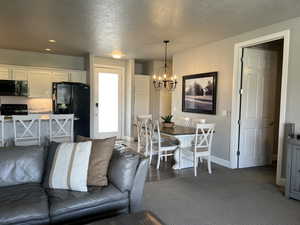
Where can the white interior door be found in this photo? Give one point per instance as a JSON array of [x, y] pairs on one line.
[[141, 95], [109, 104], [260, 72]]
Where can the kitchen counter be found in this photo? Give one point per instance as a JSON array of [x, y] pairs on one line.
[[42, 117]]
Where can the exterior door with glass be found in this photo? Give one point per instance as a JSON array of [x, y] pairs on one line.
[[108, 103]]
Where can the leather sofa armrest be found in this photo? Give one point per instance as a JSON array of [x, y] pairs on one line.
[[127, 171], [137, 190]]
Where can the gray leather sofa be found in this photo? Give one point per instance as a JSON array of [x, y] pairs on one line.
[[23, 200]]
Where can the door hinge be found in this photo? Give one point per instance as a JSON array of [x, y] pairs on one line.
[[239, 122], [238, 152], [241, 91], [242, 59]]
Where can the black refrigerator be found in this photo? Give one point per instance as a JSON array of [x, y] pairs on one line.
[[73, 98]]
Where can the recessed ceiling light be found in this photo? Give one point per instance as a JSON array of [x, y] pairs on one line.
[[52, 41], [117, 54], [47, 49]]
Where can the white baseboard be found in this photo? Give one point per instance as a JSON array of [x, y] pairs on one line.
[[221, 162], [281, 182]]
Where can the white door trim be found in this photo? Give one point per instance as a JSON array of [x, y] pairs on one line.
[[285, 35], [94, 79]]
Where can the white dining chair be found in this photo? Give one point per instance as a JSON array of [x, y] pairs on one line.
[[164, 147], [27, 130], [184, 121], [202, 145], [187, 121], [2, 131], [143, 132], [61, 127], [196, 121]]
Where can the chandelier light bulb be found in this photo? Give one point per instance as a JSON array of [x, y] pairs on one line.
[[154, 77], [159, 77]]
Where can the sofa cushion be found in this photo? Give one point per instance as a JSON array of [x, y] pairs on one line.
[[23, 204], [99, 160], [70, 166], [122, 169], [19, 165], [65, 205], [51, 149]]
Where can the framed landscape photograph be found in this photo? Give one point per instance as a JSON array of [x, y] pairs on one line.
[[199, 93]]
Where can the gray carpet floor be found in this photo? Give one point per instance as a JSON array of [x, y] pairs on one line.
[[227, 197]]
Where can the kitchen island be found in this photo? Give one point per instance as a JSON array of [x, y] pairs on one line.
[[45, 129]]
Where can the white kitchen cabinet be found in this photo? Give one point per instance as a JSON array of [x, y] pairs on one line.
[[78, 76], [60, 76], [19, 74], [40, 79], [5, 73], [40, 83]]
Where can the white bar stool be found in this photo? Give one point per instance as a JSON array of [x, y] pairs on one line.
[[61, 127], [27, 130]]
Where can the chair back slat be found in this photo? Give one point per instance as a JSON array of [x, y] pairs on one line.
[[27, 130], [1, 131], [61, 127], [183, 121], [204, 135], [143, 122], [144, 117], [196, 121], [154, 132]]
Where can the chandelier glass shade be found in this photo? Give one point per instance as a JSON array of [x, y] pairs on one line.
[[164, 78]]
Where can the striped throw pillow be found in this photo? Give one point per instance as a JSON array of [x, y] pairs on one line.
[[70, 166]]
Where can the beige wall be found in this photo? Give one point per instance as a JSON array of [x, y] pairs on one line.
[[218, 56], [26, 58]]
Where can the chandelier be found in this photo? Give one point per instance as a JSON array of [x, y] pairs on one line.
[[164, 79]]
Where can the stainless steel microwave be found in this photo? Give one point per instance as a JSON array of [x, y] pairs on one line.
[[13, 88]]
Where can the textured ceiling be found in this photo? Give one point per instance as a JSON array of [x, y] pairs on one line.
[[136, 27]]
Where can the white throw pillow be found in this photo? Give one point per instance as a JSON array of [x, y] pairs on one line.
[[70, 166]]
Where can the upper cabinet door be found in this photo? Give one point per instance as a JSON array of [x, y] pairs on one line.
[[60, 76], [40, 84], [5, 73], [78, 76], [19, 74]]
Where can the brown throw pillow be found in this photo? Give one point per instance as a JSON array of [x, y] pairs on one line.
[[99, 159]]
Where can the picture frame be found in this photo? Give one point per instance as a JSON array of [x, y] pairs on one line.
[[199, 93]]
